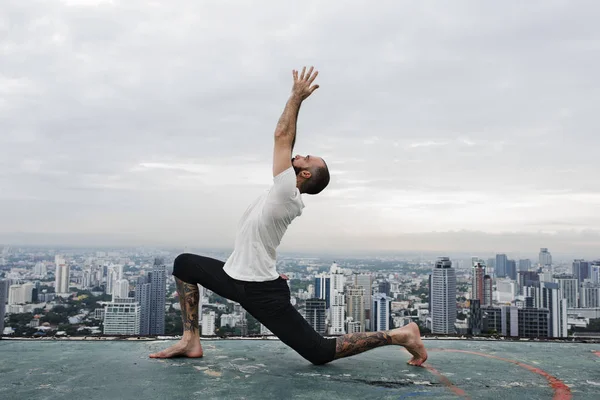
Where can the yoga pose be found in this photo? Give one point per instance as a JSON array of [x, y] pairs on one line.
[[249, 276]]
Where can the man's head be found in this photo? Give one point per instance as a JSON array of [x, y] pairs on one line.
[[312, 174]]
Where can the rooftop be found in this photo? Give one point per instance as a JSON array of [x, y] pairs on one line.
[[267, 369]]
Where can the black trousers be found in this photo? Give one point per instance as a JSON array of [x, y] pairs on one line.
[[268, 302]]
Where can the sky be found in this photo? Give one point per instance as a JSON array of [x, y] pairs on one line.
[[468, 126]]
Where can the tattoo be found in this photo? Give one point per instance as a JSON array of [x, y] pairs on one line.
[[189, 298], [354, 343]]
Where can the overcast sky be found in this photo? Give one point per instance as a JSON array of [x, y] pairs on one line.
[[133, 122]]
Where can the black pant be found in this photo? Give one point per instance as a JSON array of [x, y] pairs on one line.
[[268, 302]]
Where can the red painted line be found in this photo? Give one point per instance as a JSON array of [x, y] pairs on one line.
[[596, 353], [455, 389], [561, 391]]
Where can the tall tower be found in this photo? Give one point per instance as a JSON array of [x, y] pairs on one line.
[[487, 291], [61, 276], [158, 288], [581, 270], [142, 297], [501, 265], [545, 258], [356, 306], [322, 285], [315, 314], [443, 299], [477, 282], [381, 310]]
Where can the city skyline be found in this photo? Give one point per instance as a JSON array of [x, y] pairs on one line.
[[454, 128]]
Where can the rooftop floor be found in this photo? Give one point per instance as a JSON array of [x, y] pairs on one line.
[[267, 369]]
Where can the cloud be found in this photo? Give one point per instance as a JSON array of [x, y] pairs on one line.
[[157, 121]]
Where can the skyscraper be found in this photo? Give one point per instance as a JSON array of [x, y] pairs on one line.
[[356, 306], [150, 292], [569, 288], [158, 280], [208, 323], [545, 258], [487, 290], [315, 314], [62, 276], [589, 295], [501, 265], [548, 295], [3, 298], [581, 270], [381, 312], [337, 310], [478, 272], [511, 269], [443, 297], [322, 286], [366, 282], [524, 265]]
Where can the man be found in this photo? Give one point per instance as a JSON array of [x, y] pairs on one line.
[[249, 276]]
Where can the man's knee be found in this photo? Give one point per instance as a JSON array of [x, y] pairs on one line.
[[181, 266]]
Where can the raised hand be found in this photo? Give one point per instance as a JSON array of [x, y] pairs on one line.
[[302, 84]]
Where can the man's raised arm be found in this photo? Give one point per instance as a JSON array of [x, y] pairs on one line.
[[285, 132]]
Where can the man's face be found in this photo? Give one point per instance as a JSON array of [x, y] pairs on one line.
[[305, 162]]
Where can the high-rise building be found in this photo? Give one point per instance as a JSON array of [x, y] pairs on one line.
[[545, 258], [3, 298], [524, 265], [208, 323], [589, 295], [514, 321], [122, 317], [322, 288], [501, 265], [569, 287], [16, 295], [511, 269], [150, 291], [477, 275], [595, 272], [381, 311], [315, 314], [527, 279], [475, 323], [581, 270], [443, 297], [384, 287], [366, 282], [62, 276], [549, 296], [338, 305], [142, 296], [121, 289], [40, 270], [158, 280], [487, 290], [355, 305]]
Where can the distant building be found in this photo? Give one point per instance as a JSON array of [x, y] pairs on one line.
[[501, 265], [487, 290], [477, 275], [443, 297], [524, 265], [121, 289], [355, 306], [353, 327], [475, 322], [150, 291], [381, 311], [548, 295], [3, 298], [511, 269], [337, 311], [545, 258], [322, 286], [62, 276], [122, 317], [315, 314], [581, 270], [208, 323], [569, 287], [589, 295], [366, 282], [514, 321]]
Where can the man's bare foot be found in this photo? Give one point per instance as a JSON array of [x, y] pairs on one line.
[[409, 336], [184, 348]]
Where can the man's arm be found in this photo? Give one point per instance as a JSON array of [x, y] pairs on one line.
[[285, 132]]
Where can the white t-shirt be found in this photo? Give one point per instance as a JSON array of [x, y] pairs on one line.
[[261, 229]]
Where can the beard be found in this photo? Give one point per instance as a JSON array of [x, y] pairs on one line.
[[296, 169]]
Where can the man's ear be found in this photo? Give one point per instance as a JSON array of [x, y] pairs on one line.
[[305, 174]]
